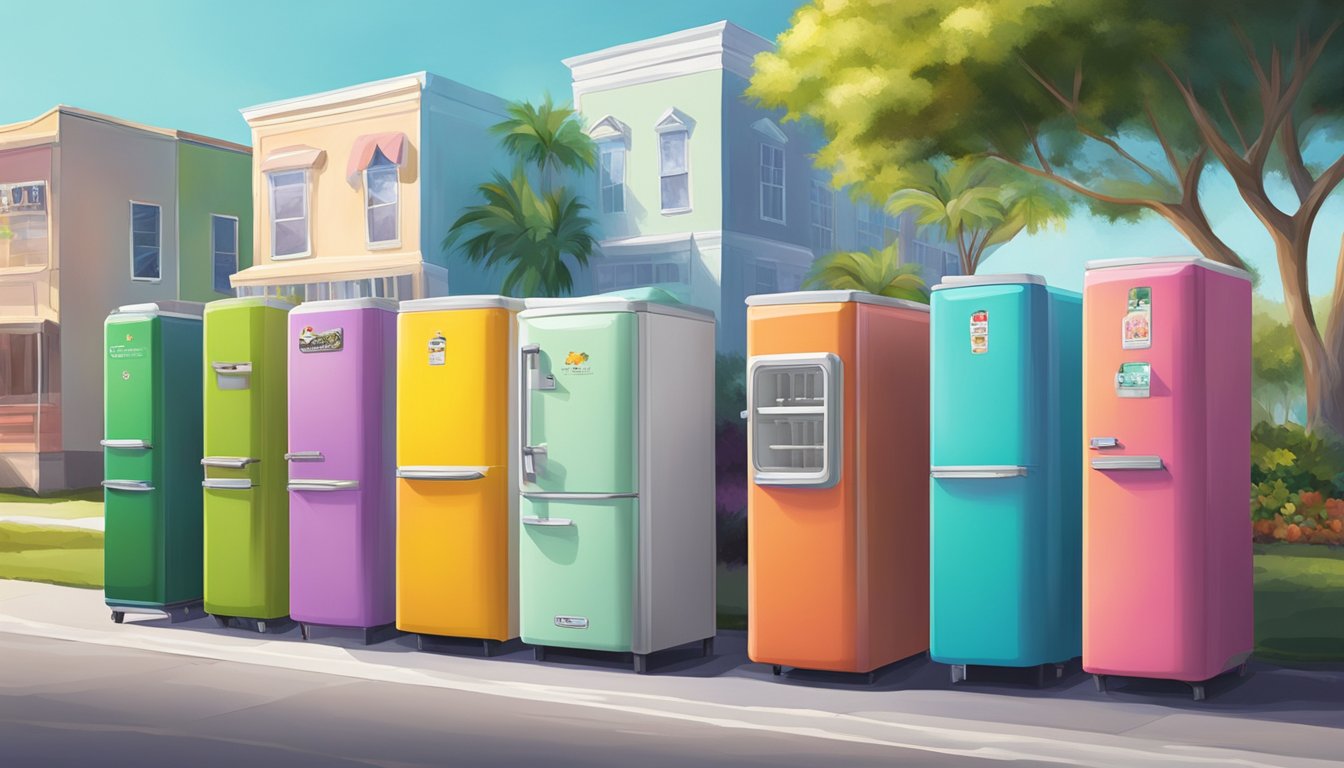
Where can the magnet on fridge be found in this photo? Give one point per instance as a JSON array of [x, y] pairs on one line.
[[1132, 380]]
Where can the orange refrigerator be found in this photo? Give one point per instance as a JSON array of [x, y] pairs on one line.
[[838, 500]]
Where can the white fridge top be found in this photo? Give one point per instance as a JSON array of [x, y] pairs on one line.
[[191, 310], [462, 302], [1198, 261], [583, 305], [832, 297], [252, 301], [330, 305], [961, 281]]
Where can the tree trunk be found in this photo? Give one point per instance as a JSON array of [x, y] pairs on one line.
[[1322, 374]]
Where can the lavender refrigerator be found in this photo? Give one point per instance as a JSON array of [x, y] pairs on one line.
[[342, 516]]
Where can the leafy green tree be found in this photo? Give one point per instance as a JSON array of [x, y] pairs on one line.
[[532, 233], [978, 203], [1124, 103], [1276, 368], [877, 272]]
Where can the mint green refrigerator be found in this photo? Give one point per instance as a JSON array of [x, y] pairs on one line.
[[616, 441]]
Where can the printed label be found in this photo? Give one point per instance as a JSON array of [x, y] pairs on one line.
[[321, 341], [572, 622], [979, 332], [577, 363], [125, 351], [1138, 322], [1132, 380], [438, 347]]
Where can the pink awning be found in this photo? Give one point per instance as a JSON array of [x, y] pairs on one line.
[[392, 145]]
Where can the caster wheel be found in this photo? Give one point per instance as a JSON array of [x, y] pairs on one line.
[[776, 670], [220, 621], [1100, 682], [641, 663], [1199, 692], [539, 653], [118, 617]]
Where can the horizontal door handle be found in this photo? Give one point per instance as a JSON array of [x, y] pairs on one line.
[[227, 483], [547, 521], [1103, 442], [134, 486], [228, 462], [234, 369], [304, 456], [323, 485], [140, 445], [986, 472], [561, 496], [442, 473], [1128, 462]]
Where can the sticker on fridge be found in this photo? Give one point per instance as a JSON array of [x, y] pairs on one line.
[[1138, 322], [1133, 379], [979, 332], [576, 362], [321, 341], [438, 346]]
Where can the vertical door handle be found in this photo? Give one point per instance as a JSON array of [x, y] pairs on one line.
[[529, 378]]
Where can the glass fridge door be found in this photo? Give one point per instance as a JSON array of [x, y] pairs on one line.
[[794, 408]]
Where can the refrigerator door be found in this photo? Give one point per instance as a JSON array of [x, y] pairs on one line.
[[246, 505], [341, 537], [795, 410], [988, 567], [578, 562], [578, 429], [1143, 461], [989, 375], [134, 524], [454, 553]]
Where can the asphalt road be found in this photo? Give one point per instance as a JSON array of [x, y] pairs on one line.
[[75, 704]]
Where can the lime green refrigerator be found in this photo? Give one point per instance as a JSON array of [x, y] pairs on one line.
[[246, 504], [152, 455]]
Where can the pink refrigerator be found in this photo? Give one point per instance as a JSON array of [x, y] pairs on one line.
[[1167, 580], [342, 518]]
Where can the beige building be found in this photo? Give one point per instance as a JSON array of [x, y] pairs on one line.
[[355, 189]]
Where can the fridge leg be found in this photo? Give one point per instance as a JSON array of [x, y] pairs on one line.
[[220, 621], [1040, 676], [776, 670], [420, 642], [539, 653], [1198, 691], [1241, 670], [489, 647], [871, 677], [958, 673], [118, 616], [707, 648], [641, 663], [303, 631], [261, 627], [1059, 671], [1100, 681]]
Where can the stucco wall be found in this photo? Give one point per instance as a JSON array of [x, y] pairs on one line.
[[211, 181]]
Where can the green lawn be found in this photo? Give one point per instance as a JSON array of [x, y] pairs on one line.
[[1299, 602], [83, 494], [67, 556]]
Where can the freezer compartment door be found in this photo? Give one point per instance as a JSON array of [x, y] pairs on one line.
[[578, 430], [246, 552], [453, 556], [133, 542], [794, 408], [577, 572], [989, 596], [989, 375]]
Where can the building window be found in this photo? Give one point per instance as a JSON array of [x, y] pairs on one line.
[[381, 191], [766, 278], [891, 229], [951, 264], [868, 231], [289, 214], [611, 176], [23, 224], [772, 183], [822, 199], [146, 237], [224, 250], [674, 171], [619, 276]]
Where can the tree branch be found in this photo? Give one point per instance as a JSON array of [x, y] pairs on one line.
[[1325, 184], [1231, 118], [1292, 156], [1167, 148], [1049, 175]]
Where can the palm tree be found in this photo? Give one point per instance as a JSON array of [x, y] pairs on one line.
[[979, 204], [528, 232], [547, 138], [876, 272]]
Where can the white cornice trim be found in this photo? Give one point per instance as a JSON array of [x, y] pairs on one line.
[[775, 250], [767, 128], [336, 97], [719, 46]]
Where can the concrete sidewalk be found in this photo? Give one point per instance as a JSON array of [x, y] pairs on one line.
[[1272, 717]]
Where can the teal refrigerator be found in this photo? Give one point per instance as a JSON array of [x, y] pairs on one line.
[[1006, 476], [152, 460]]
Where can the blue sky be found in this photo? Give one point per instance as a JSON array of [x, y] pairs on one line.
[[193, 65]]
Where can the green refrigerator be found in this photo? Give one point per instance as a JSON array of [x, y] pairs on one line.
[[246, 504], [152, 455]]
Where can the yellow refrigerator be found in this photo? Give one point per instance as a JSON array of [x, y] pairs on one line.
[[457, 541]]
